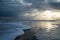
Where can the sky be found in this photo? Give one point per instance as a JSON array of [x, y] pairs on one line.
[[22, 8]]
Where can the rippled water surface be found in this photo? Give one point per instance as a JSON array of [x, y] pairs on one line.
[[45, 30]]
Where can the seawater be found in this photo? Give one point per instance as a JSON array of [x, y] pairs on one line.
[[45, 30]]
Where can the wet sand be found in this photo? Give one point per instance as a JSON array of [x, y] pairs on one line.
[[29, 35]]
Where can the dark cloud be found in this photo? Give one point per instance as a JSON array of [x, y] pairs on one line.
[[17, 8], [55, 5], [10, 8]]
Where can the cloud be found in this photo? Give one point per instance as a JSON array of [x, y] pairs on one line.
[[25, 3], [54, 0], [55, 5], [21, 7]]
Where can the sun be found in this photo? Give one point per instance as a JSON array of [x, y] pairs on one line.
[[50, 15], [47, 15]]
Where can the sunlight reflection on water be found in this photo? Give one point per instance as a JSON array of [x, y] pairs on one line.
[[47, 25], [46, 30]]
